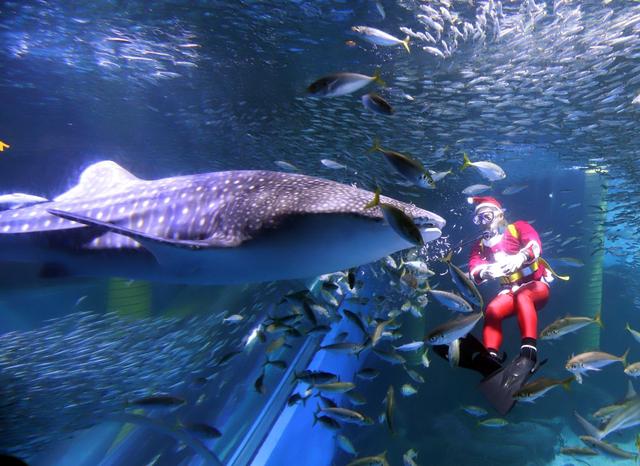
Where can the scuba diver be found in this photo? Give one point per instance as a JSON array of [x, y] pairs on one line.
[[509, 253]]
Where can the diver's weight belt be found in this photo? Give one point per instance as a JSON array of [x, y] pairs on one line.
[[520, 274]]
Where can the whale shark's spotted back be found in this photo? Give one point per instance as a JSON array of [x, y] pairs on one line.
[[222, 209]]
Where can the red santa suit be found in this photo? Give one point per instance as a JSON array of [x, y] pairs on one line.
[[523, 292]]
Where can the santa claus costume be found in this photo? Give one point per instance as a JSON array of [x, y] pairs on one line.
[[510, 253]]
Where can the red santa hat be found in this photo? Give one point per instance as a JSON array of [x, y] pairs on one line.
[[484, 201]]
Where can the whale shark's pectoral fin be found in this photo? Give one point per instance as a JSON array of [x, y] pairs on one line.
[[139, 236], [166, 251]]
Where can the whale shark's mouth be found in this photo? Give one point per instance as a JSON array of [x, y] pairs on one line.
[[430, 226], [429, 222], [425, 223], [430, 233]]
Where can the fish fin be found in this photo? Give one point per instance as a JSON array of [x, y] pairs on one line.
[[466, 162], [165, 251], [98, 178], [377, 79], [631, 392], [405, 43], [139, 236], [598, 319], [588, 427], [624, 358], [566, 383], [376, 145], [376, 199]]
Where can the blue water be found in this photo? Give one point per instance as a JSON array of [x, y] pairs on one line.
[[547, 91]]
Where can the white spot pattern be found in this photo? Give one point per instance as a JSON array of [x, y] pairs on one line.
[[170, 208]]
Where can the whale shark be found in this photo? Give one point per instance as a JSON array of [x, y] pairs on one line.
[[225, 227]]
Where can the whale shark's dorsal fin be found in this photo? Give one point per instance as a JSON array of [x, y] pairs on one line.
[[101, 177]]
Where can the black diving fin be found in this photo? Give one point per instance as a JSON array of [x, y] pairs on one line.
[[473, 355], [500, 386]]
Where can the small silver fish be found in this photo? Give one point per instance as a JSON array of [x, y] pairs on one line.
[[475, 189], [286, 165], [495, 422], [378, 37], [607, 449], [331, 164], [390, 404], [437, 176], [488, 170], [476, 411], [424, 359], [634, 333], [413, 346], [592, 361], [233, 319], [345, 444], [408, 390], [566, 325], [511, 190]]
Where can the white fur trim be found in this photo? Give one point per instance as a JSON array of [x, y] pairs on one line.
[[487, 204], [493, 240]]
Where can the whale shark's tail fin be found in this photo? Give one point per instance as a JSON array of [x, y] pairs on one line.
[[101, 177]]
